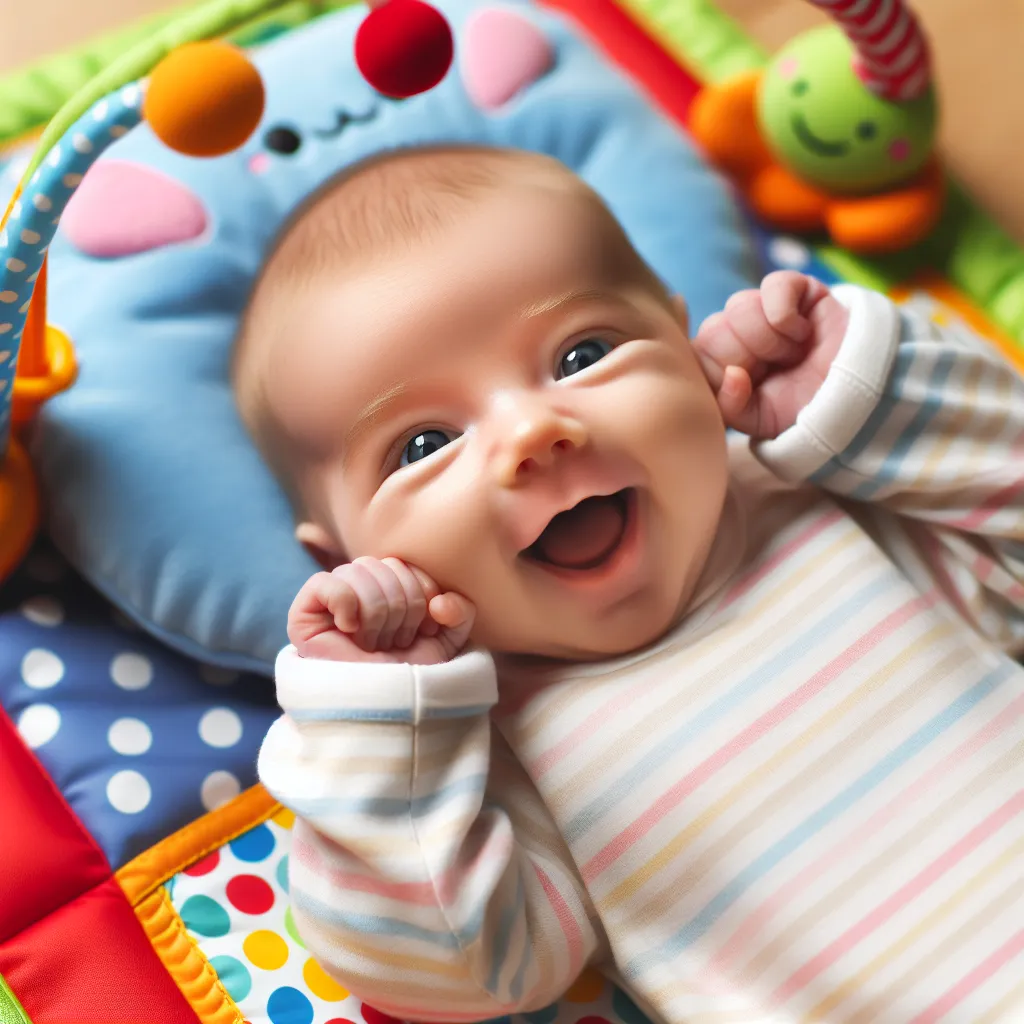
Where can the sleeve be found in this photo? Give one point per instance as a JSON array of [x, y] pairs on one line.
[[426, 873], [921, 432]]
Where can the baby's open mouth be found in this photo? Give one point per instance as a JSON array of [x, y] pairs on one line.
[[585, 536]]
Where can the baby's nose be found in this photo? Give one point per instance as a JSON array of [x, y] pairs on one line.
[[532, 439]]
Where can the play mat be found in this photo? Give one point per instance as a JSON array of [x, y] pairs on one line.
[[143, 871]]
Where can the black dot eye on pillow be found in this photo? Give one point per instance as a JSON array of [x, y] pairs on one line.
[[282, 139]]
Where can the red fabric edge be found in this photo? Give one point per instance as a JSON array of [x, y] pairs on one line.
[[672, 86], [91, 962], [47, 857]]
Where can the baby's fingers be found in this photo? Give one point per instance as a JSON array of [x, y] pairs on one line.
[[317, 607], [415, 603], [787, 298], [394, 598], [456, 616], [759, 343], [371, 604]]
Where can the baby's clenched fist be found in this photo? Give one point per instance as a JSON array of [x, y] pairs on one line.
[[378, 610], [768, 352]]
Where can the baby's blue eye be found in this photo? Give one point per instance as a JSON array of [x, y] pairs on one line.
[[423, 445], [583, 354]]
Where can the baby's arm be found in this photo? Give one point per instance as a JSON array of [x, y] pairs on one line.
[[909, 419], [426, 873]]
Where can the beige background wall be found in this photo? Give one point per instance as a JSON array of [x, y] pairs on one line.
[[978, 44]]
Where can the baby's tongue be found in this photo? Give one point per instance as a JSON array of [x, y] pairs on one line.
[[584, 535]]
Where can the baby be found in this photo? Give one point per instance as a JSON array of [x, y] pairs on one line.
[[587, 680]]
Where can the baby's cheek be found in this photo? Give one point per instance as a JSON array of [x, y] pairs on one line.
[[432, 527]]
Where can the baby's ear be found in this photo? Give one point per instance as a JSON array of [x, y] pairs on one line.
[[320, 545], [682, 313]]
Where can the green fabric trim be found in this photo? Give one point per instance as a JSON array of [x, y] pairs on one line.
[[697, 33], [32, 96], [11, 1011], [967, 246]]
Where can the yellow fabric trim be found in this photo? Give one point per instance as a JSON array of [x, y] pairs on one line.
[[143, 875], [185, 961]]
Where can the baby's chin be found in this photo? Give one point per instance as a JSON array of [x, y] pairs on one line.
[[580, 641]]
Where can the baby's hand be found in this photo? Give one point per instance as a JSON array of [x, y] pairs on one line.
[[378, 610], [769, 351]]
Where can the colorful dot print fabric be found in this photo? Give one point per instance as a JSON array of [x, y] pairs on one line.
[[234, 903], [139, 740]]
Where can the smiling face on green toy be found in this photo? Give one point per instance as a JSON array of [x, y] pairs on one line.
[[823, 123]]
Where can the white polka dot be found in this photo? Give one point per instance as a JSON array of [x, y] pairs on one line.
[[3, 384], [130, 95], [131, 671], [41, 202], [4, 328], [128, 792], [30, 237], [81, 144], [100, 111], [16, 266], [217, 789], [217, 676], [118, 131], [8, 296], [130, 736], [5, 354], [32, 279], [54, 157], [41, 669], [72, 180], [43, 611], [788, 252], [44, 568], [220, 727], [24, 307], [38, 724]]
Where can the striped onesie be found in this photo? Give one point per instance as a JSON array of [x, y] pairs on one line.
[[804, 803]]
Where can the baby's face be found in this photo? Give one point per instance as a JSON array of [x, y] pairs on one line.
[[510, 407]]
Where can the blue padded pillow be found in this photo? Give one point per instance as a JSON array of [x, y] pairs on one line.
[[155, 492]]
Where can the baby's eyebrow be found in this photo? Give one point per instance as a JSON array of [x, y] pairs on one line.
[[567, 300], [375, 410]]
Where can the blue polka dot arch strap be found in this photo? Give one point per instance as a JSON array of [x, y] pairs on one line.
[[154, 491], [37, 360]]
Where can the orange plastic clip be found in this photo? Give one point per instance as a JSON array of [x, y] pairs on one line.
[[46, 360], [46, 365]]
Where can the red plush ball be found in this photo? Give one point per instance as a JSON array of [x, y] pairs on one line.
[[404, 47]]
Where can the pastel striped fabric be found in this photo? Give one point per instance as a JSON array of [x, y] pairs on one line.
[[805, 803], [892, 52]]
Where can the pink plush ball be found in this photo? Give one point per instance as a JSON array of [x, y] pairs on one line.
[[404, 47]]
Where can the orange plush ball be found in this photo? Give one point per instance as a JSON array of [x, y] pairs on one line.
[[204, 99]]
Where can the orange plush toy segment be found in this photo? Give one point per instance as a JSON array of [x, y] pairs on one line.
[[892, 221], [724, 121]]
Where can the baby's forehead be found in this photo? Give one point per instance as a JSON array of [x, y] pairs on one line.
[[367, 318]]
